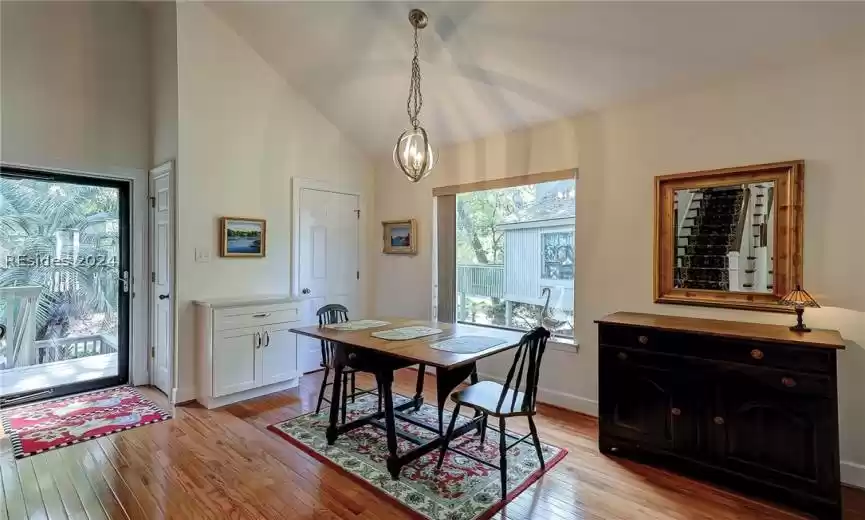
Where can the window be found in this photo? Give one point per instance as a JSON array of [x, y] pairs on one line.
[[514, 249], [558, 255]]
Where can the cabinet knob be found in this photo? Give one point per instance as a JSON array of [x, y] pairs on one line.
[[352, 356], [718, 420], [757, 354], [676, 411], [789, 382], [643, 339], [622, 356]]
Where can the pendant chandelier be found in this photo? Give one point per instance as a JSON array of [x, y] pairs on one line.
[[413, 153]]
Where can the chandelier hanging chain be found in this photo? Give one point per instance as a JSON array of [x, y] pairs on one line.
[[415, 98]]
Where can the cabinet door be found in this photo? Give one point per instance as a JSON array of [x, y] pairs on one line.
[[278, 354], [234, 360], [780, 437], [636, 397]]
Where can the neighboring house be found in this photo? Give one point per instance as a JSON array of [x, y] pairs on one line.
[[538, 254]]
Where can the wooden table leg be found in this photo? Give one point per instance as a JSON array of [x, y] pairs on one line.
[[385, 381], [418, 394], [335, 400]]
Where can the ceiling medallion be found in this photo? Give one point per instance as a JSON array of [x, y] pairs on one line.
[[413, 153]]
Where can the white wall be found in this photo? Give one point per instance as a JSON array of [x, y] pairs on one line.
[[243, 134], [163, 82], [75, 96], [813, 111]]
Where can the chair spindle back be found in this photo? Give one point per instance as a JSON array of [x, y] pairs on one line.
[[531, 348], [327, 315]]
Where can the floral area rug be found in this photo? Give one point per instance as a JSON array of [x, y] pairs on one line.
[[464, 489], [48, 425]]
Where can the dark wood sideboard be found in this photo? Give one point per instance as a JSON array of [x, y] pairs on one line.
[[750, 406]]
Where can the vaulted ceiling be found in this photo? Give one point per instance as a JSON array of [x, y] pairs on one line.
[[494, 66]]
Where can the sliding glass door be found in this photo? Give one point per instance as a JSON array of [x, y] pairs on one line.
[[64, 284]]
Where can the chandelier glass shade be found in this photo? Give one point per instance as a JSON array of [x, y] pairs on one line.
[[413, 154]]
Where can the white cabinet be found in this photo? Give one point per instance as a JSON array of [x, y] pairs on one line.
[[234, 361], [246, 348], [278, 355]]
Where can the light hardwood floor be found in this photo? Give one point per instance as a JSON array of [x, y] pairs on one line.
[[223, 464]]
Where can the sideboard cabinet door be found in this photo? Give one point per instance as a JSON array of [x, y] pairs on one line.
[[775, 436], [636, 398]]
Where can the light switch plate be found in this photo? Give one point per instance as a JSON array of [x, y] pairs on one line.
[[202, 255]]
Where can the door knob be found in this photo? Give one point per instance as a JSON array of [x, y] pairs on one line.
[[305, 291], [163, 296]]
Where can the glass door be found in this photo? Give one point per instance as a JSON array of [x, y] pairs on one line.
[[64, 284]]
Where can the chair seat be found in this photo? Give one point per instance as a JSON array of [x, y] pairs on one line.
[[485, 395]]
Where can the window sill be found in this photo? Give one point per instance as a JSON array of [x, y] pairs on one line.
[[571, 346]]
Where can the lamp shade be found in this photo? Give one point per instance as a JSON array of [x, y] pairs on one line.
[[799, 297]]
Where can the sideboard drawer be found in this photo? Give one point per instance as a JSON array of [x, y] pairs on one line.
[[754, 353], [228, 318]]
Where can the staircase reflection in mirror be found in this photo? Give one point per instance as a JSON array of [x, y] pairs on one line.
[[724, 238]]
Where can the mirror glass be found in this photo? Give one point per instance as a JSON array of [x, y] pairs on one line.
[[724, 238]]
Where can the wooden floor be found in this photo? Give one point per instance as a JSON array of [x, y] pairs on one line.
[[225, 464]]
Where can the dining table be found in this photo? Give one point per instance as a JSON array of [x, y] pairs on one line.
[[361, 350]]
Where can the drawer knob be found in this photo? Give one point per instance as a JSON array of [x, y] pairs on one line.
[[676, 411], [718, 420], [789, 382], [622, 356], [352, 356], [757, 354], [643, 339]]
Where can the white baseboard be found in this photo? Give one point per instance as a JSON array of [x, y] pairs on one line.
[[216, 402], [557, 398], [182, 395], [853, 474]]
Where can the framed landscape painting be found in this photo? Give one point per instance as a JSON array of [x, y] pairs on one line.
[[399, 237], [242, 237]]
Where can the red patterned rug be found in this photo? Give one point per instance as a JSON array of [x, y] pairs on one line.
[[48, 425], [463, 490]]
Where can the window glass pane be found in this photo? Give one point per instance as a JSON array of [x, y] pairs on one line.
[[515, 253], [558, 251]]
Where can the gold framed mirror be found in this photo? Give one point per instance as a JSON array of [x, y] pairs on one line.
[[730, 237]]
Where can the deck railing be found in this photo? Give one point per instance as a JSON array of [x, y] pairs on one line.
[[481, 280], [75, 347]]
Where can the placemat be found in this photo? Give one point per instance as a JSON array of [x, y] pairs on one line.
[[467, 344], [357, 325], [404, 333]]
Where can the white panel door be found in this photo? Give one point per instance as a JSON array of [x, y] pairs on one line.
[[161, 240], [328, 260], [313, 242], [278, 354], [234, 360]]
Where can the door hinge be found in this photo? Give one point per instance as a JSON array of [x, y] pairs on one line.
[[152, 276], [358, 275], [153, 352], [358, 213], [152, 202]]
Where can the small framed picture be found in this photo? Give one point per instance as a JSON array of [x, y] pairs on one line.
[[242, 237], [399, 237]]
